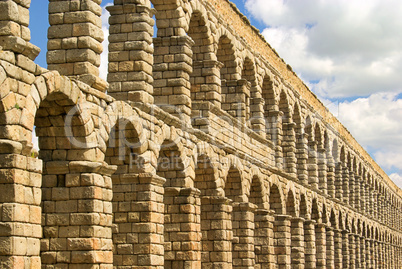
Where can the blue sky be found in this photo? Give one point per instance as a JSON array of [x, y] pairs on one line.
[[348, 52]]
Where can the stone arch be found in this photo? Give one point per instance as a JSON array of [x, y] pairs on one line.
[[226, 53], [204, 77], [205, 176], [170, 165], [73, 173], [60, 108], [270, 106], [253, 95], [303, 208], [275, 200], [286, 135], [291, 204], [257, 191], [315, 212]]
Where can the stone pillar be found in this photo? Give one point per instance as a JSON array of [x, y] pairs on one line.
[[322, 170], [20, 208], [206, 82], [370, 201], [75, 40], [282, 238], [257, 119], [312, 165], [371, 253], [302, 157], [352, 190], [297, 243], [358, 198], [14, 32], [77, 215], [377, 254], [357, 251], [338, 248], [330, 253], [364, 196], [217, 226], [345, 249], [321, 246], [182, 233], [243, 235], [345, 184], [236, 101], [139, 218], [276, 136], [363, 253], [338, 181], [352, 251], [310, 244], [331, 176], [263, 239], [289, 148], [131, 51], [171, 71]]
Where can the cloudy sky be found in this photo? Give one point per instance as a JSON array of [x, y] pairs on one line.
[[349, 52]]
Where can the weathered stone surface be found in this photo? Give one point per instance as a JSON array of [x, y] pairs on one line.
[[205, 151]]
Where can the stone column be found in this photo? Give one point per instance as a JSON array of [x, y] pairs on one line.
[[297, 243], [363, 253], [345, 184], [345, 249], [289, 148], [364, 196], [257, 119], [358, 186], [330, 252], [312, 165], [352, 190], [263, 238], [276, 135], [302, 157], [15, 34], [236, 101], [283, 238], [338, 181], [20, 208], [131, 51], [370, 201], [321, 246], [338, 248], [331, 176], [373, 254], [352, 251], [139, 219], [322, 170], [217, 226], [310, 244], [243, 235], [171, 71], [357, 251], [206, 82], [77, 214], [377, 254], [182, 231], [75, 40]]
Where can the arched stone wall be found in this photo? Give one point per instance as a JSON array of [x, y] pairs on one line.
[[203, 152]]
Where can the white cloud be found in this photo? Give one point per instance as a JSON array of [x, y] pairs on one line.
[[351, 47], [397, 179], [346, 49], [375, 122], [103, 69]]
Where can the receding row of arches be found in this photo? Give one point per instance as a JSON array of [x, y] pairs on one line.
[[208, 62]]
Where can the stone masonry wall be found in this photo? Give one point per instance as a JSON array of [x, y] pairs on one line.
[[202, 150]]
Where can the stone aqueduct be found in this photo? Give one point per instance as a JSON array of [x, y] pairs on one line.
[[203, 150]]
